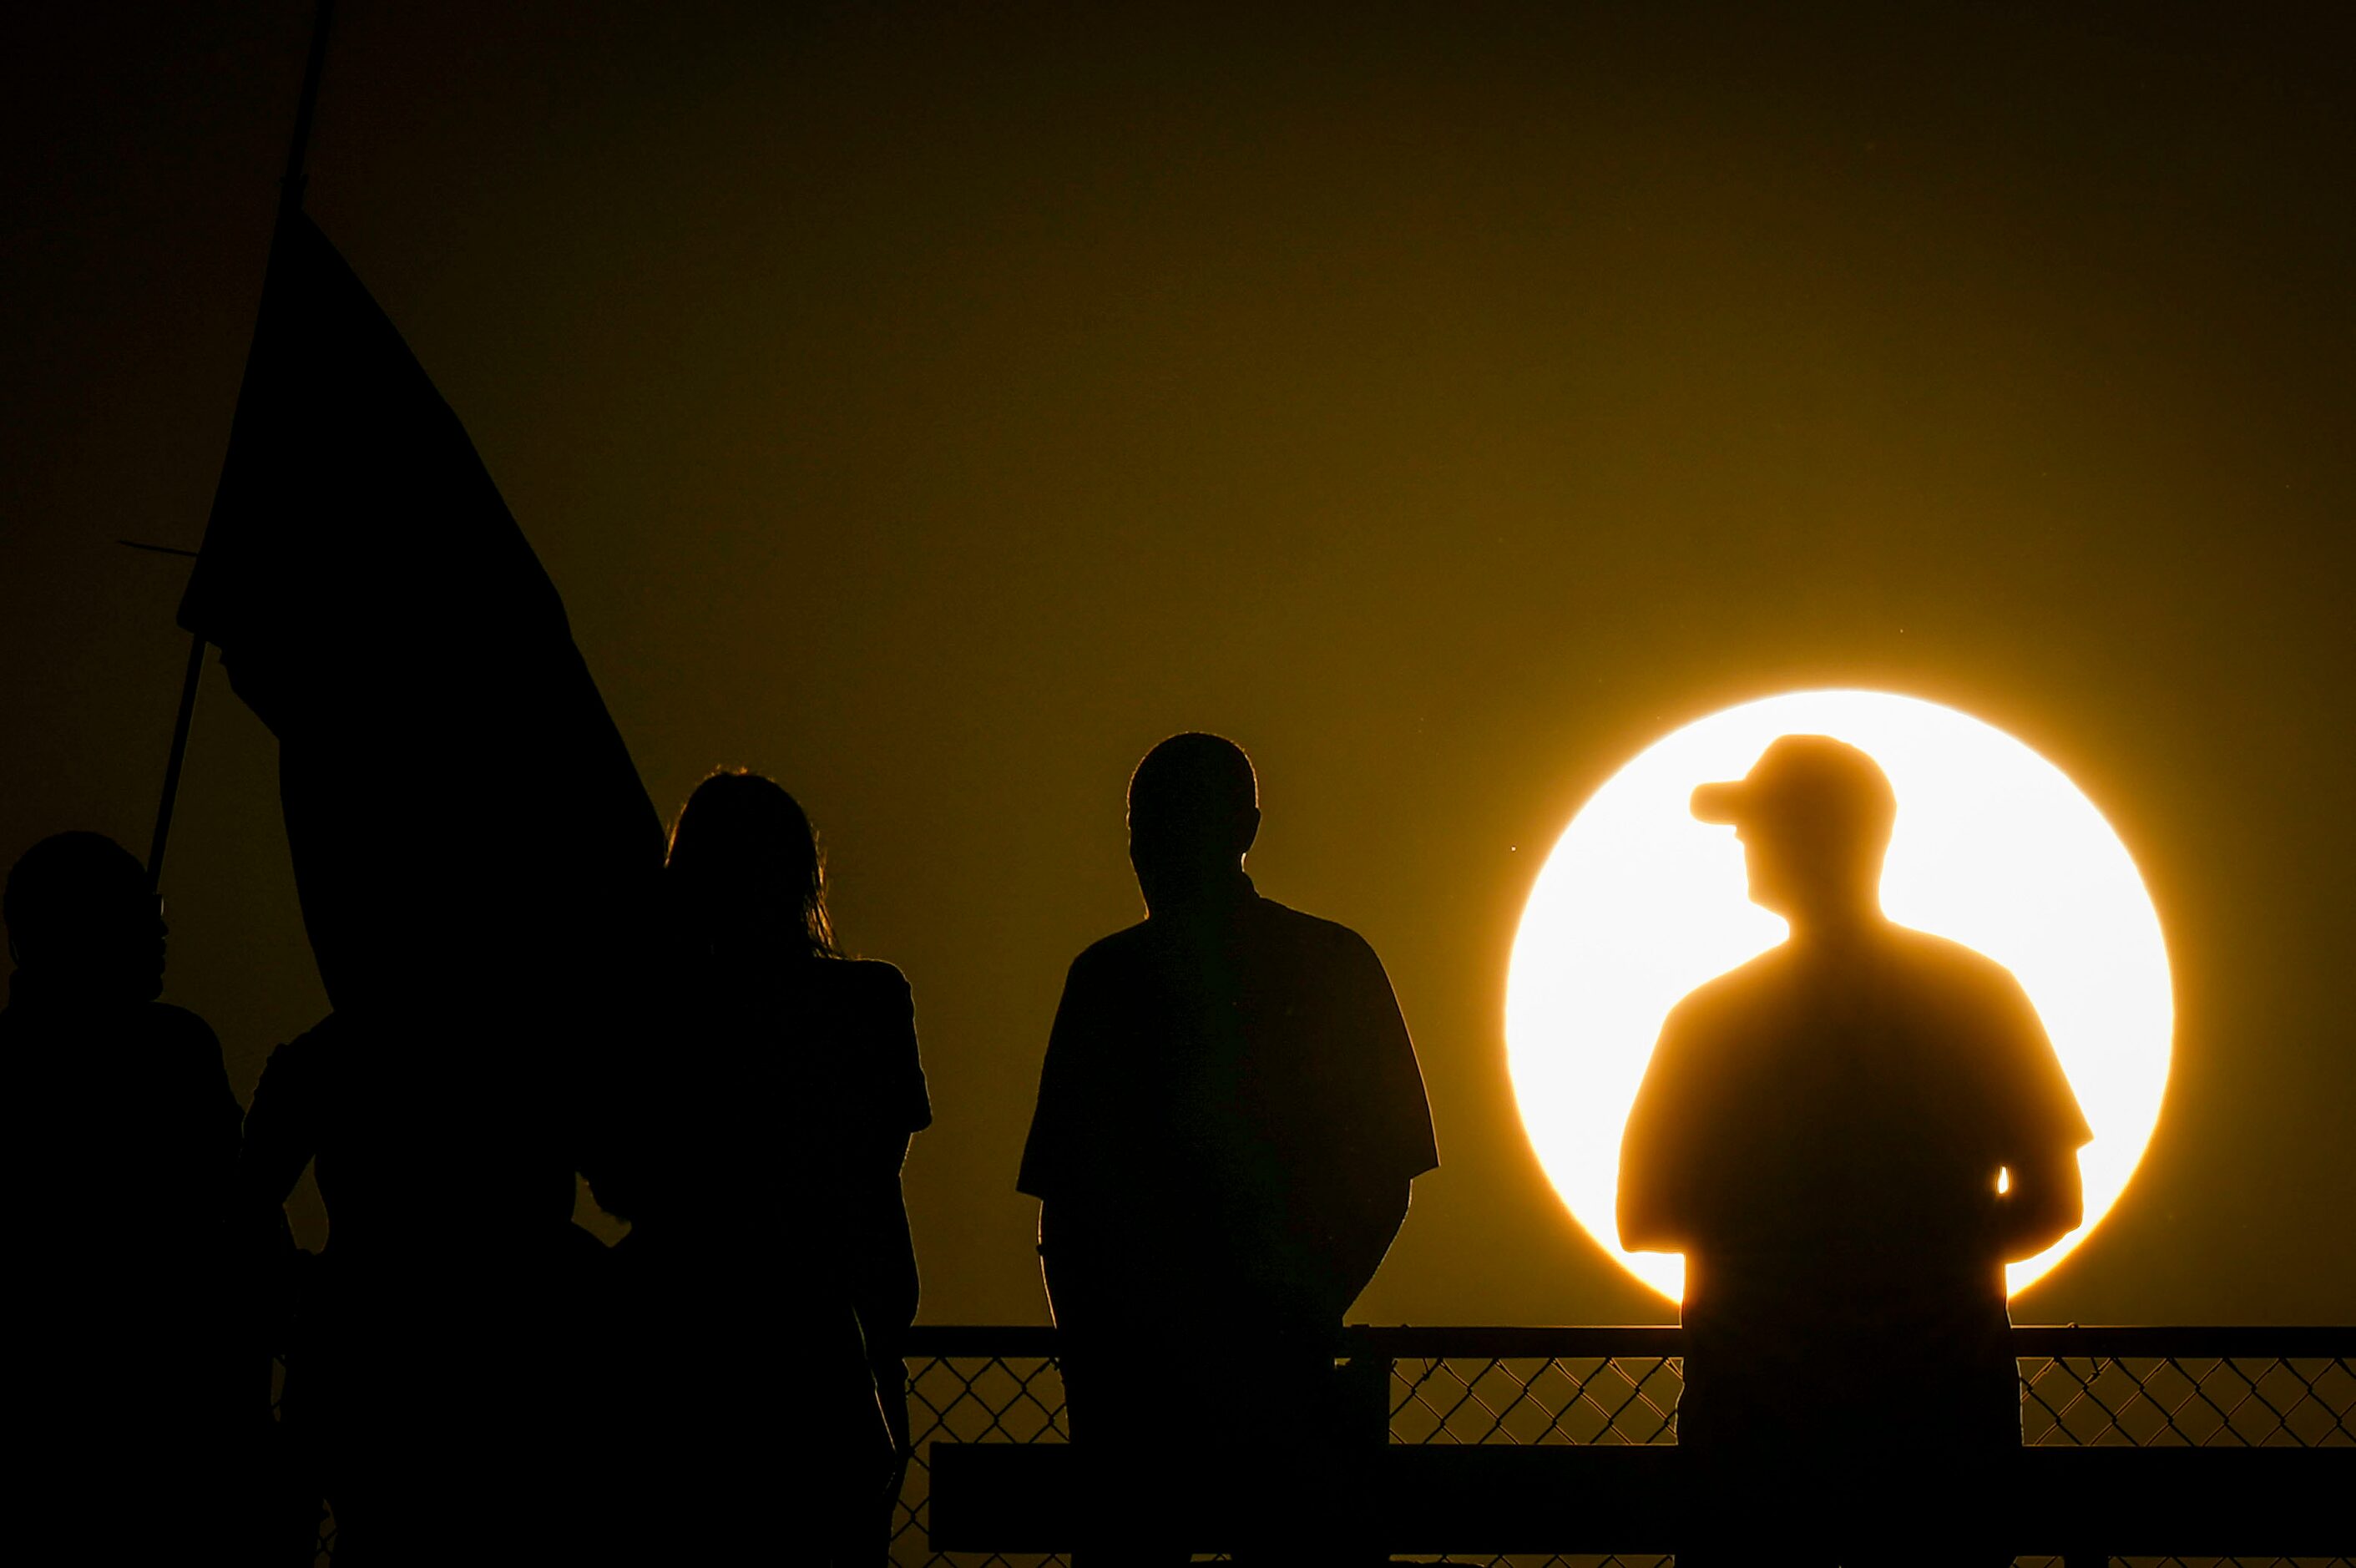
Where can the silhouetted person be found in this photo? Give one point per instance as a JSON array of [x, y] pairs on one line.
[[138, 1417], [1229, 1119], [769, 1265], [1822, 1133], [441, 1363]]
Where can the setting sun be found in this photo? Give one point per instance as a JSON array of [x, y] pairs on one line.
[[1994, 847]]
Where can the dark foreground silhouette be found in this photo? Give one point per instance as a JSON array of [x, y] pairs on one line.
[[1821, 1133], [434, 1363], [139, 1387], [1229, 1119], [769, 1267]]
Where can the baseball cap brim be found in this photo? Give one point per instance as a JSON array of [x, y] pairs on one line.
[[1722, 803]]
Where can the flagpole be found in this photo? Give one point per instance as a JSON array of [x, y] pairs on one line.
[[298, 148], [290, 201]]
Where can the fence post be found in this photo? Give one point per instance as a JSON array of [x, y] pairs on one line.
[[1362, 1429], [1364, 1389]]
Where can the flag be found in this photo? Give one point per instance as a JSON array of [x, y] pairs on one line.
[[469, 836]]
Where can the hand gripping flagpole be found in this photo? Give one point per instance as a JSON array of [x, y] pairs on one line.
[[290, 201]]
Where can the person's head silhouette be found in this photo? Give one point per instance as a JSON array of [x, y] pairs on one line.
[[744, 858], [83, 920], [1813, 815], [1193, 810]]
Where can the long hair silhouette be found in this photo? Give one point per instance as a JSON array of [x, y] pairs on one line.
[[738, 841]]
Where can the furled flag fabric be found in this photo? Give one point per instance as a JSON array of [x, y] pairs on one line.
[[470, 838]]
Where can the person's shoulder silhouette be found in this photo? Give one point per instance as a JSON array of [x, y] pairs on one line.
[[859, 1016]]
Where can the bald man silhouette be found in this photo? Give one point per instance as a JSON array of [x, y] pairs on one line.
[[1229, 1119], [1847, 1137]]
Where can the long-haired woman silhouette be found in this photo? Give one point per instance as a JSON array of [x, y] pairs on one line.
[[768, 1220]]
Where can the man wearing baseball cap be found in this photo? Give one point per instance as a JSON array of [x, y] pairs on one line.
[[1847, 1137]]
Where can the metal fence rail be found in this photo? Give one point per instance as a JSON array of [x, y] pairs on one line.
[[2080, 1387]]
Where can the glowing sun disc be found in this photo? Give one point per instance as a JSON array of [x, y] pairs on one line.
[[1994, 847]]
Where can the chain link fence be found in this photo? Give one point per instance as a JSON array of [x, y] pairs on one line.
[[2080, 1387]]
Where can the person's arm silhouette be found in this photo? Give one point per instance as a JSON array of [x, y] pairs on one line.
[[1656, 1171], [281, 1137], [1358, 1237], [882, 1256], [1387, 1132], [1059, 1167], [2044, 1200], [2041, 1130], [281, 1125]]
